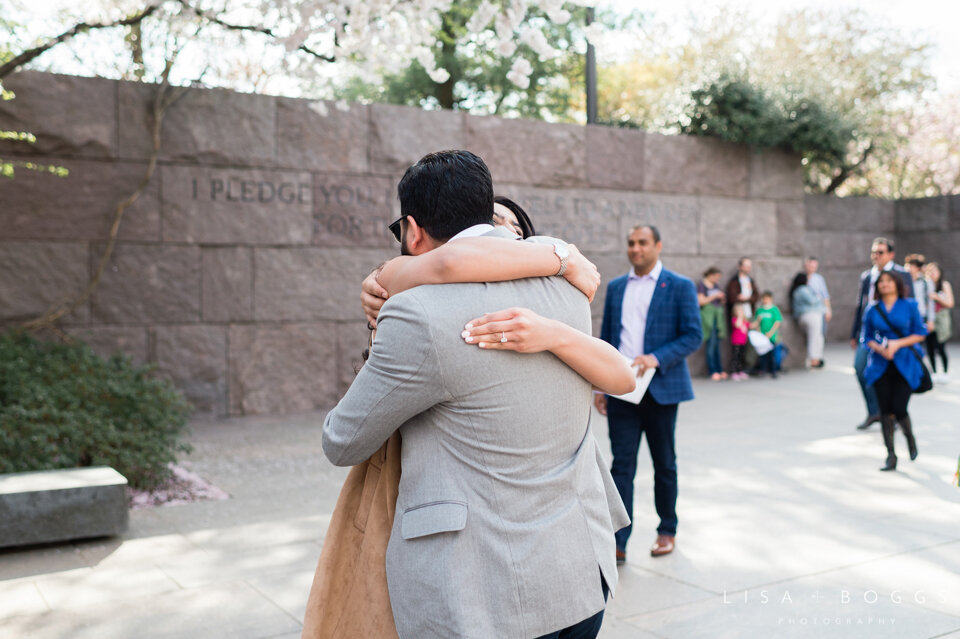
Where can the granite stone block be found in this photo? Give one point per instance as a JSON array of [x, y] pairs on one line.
[[202, 126], [529, 152], [843, 284], [36, 276], [312, 283], [69, 115], [775, 175], [677, 218], [350, 210], [60, 505], [841, 249], [194, 358], [791, 228], [690, 165], [615, 157], [228, 206], [925, 214], [830, 213], [147, 284], [399, 136], [80, 206], [322, 135], [109, 340], [953, 208], [227, 294], [738, 227], [588, 218], [285, 368]]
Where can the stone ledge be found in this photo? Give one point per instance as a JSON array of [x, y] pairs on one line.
[[60, 505]]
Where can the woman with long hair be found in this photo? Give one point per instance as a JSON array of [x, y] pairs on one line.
[[943, 302], [892, 327]]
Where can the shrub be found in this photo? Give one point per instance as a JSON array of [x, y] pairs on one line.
[[737, 110], [63, 406]]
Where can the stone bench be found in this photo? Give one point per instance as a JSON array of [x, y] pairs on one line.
[[60, 505]]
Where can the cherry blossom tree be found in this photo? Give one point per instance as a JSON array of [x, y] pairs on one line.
[[269, 44]]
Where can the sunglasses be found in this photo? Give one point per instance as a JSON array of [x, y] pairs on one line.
[[395, 227]]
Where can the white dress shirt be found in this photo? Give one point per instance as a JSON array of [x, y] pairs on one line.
[[636, 304]]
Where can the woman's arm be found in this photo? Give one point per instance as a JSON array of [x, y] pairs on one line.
[[487, 259], [527, 332], [945, 297]]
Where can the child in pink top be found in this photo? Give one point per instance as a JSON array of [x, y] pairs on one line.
[[738, 340]]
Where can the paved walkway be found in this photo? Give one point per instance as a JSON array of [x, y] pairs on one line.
[[787, 530]]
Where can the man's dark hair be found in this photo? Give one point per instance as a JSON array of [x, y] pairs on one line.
[[884, 241], [654, 231], [742, 260], [446, 192]]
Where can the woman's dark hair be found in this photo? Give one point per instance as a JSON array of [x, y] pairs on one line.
[[526, 226], [938, 285], [713, 270], [800, 279], [901, 287]]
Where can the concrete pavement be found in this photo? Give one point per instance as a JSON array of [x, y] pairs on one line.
[[787, 529]]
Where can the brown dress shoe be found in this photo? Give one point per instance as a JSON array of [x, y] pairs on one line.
[[663, 546], [621, 557]]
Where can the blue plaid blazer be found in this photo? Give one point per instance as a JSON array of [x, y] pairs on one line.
[[672, 332]]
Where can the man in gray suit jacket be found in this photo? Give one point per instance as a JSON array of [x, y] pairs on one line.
[[505, 519]]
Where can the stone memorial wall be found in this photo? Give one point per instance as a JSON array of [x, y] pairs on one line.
[[237, 270]]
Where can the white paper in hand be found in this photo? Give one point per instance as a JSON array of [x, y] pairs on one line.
[[643, 382]]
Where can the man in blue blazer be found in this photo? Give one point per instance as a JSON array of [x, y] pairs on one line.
[[651, 316], [882, 256]]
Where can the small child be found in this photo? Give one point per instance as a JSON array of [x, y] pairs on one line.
[[738, 340], [767, 320]]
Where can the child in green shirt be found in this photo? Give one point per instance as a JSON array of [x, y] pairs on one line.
[[767, 320]]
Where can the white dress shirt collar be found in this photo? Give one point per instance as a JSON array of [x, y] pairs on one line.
[[654, 273], [473, 231]]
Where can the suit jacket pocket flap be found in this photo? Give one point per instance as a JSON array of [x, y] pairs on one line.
[[436, 517]]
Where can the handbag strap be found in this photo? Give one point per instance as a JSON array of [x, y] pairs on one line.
[[883, 314]]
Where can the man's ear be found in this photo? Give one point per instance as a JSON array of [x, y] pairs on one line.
[[418, 240]]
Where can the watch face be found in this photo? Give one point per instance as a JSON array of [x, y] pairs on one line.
[[561, 250]]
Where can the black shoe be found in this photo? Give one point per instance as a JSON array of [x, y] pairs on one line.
[[820, 365], [907, 427], [872, 419], [891, 463], [886, 426]]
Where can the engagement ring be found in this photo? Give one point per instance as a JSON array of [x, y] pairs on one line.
[[503, 337]]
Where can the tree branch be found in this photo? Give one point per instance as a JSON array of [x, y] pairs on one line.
[[30, 54], [847, 171], [210, 17], [163, 100]]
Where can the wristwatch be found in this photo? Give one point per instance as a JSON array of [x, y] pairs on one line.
[[561, 251]]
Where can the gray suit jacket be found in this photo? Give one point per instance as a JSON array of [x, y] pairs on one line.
[[506, 511]]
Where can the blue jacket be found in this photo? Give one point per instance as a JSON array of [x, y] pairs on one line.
[[864, 297], [904, 316], [672, 332]]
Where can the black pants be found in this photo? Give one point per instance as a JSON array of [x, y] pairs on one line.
[[893, 392], [933, 347], [738, 356]]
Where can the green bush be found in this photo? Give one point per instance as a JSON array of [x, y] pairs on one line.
[[737, 110], [63, 406]]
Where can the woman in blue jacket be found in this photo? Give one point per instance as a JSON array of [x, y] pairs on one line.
[[891, 327]]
